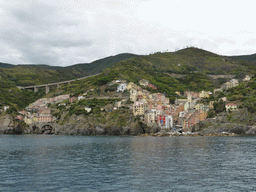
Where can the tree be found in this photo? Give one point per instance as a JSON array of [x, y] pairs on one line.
[[219, 106], [12, 110]]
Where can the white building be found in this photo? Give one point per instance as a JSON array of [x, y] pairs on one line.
[[88, 109], [247, 78], [6, 107], [169, 122], [231, 107], [80, 97], [121, 87], [144, 82]]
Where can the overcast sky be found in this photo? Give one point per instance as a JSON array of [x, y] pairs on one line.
[[66, 32]]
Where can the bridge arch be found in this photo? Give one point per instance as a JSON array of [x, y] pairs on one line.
[[46, 129]]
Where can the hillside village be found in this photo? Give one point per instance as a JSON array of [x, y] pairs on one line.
[[153, 109]]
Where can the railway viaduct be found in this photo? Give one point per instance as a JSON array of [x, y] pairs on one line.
[[58, 84]]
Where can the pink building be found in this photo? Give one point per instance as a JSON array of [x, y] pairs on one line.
[[192, 94], [72, 99], [150, 105], [19, 117], [45, 118], [140, 97], [152, 86], [158, 96], [159, 107]]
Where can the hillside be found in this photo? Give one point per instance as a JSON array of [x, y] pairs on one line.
[[186, 69], [99, 65], [248, 58], [6, 65], [185, 61], [25, 75], [11, 96], [195, 60]]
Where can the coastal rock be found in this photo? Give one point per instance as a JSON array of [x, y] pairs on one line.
[[251, 131], [5, 120]]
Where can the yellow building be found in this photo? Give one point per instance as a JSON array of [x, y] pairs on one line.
[[133, 95], [35, 119], [150, 118], [202, 115], [131, 85], [211, 104], [139, 108], [202, 107], [28, 121], [204, 94]]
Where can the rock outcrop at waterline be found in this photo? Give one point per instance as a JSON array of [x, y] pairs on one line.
[[77, 125], [81, 125], [9, 126]]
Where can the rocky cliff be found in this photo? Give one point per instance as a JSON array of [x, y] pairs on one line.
[[8, 125], [78, 125]]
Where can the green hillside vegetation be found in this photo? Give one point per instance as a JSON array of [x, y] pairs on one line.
[[131, 73], [6, 65], [26, 75], [17, 99], [244, 95], [193, 59], [186, 61], [158, 69], [186, 69], [99, 65]]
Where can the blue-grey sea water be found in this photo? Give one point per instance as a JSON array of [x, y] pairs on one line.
[[105, 163]]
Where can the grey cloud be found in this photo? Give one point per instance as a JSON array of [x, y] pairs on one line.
[[64, 43], [45, 49], [34, 14], [43, 17], [44, 34]]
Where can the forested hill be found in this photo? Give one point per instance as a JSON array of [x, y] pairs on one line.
[[99, 65], [25, 75], [196, 60], [248, 58], [186, 69], [185, 61], [11, 96]]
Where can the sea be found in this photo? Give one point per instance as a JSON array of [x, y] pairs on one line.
[[127, 163]]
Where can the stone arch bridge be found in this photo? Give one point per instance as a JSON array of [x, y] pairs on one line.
[[43, 128]]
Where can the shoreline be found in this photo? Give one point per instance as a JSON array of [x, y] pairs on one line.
[[195, 134], [158, 134]]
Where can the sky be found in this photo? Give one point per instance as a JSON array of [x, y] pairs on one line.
[[67, 32]]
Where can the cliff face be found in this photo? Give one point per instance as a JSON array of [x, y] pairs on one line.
[[84, 125], [79, 125], [240, 122], [10, 126]]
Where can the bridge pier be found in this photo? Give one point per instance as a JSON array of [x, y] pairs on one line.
[[35, 89], [58, 86], [47, 89]]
